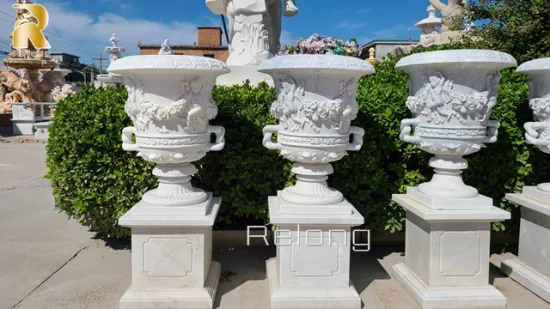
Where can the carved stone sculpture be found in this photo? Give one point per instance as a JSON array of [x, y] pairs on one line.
[[170, 105], [165, 48], [451, 110], [255, 27], [451, 14], [531, 268]]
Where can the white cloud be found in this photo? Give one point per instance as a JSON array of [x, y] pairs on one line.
[[77, 33], [349, 25]]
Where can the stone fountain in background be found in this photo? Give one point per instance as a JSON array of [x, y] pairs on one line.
[[115, 52], [31, 76]]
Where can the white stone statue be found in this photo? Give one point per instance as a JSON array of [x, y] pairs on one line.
[[451, 13], [255, 27], [165, 48], [114, 40]]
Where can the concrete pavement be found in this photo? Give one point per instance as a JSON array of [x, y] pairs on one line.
[[48, 261]]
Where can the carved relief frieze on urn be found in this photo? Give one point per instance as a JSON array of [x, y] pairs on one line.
[[314, 107], [170, 105], [451, 97]]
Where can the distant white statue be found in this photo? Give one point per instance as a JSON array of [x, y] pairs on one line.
[[114, 40], [255, 27], [165, 48]]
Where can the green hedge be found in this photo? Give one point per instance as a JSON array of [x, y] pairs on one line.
[[96, 182]]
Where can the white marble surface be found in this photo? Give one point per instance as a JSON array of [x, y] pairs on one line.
[[297, 276], [532, 266], [453, 297], [170, 104], [293, 298], [447, 256], [453, 215], [315, 105], [202, 298], [479, 202]]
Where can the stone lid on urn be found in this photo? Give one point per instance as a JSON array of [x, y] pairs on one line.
[[542, 64], [487, 58], [326, 62], [167, 62]]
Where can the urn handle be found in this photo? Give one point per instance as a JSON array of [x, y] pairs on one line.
[[492, 131], [357, 142], [268, 134], [407, 126], [532, 134], [127, 143], [220, 138]]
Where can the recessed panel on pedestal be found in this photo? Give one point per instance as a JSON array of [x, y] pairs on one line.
[[312, 260], [170, 257]]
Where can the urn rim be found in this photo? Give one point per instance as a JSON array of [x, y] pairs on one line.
[[177, 63], [316, 61], [536, 65], [476, 57]]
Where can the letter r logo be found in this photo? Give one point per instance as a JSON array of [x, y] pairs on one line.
[[32, 19]]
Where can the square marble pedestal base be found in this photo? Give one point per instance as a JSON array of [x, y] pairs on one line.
[[172, 265], [170, 299], [485, 296], [532, 267], [312, 266], [447, 256], [343, 298]]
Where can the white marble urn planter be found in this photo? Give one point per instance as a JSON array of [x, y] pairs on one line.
[[451, 97], [316, 102], [315, 106], [448, 224], [170, 104], [532, 267]]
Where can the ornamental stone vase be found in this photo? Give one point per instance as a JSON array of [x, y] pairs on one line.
[[448, 224], [170, 104], [451, 97], [315, 106], [532, 267]]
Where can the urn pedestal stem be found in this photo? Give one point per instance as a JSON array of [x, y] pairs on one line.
[[311, 186], [175, 187], [170, 104], [447, 179], [448, 224], [531, 268], [315, 106]]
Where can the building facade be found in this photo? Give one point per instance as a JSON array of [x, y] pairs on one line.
[[209, 45], [80, 72]]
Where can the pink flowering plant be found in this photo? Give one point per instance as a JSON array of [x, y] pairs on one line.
[[322, 44]]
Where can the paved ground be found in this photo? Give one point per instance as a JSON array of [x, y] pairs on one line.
[[48, 261]]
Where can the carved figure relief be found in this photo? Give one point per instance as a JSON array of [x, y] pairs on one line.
[[294, 110], [440, 104], [192, 110]]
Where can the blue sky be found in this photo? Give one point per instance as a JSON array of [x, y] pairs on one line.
[[83, 27]]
